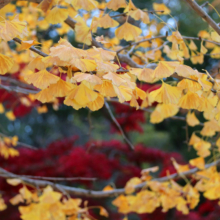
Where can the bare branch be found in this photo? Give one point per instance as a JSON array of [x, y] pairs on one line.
[[199, 10], [118, 126], [57, 178], [18, 89], [180, 118], [97, 194]]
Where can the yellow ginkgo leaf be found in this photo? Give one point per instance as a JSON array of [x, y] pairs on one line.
[[84, 64], [130, 185], [73, 103], [190, 101], [166, 94], [10, 115], [42, 109], [202, 148], [106, 67], [9, 8], [14, 182], [124, 93], [213, 192], [128, 32], [2, 109], [44, 96], [57, 15], [108, 188], [97, 103], [192, 45], [191, 119], [3, 206], [208, 102], [161, 7], [210, 128], [106, 89], [37, 63], [204, 34], [215, 36], [197, 58], [190, 85], [16, 199], [60, 89], [140, 15], [84, 4], [116, 4], [41, 79], [6, 63], [194, 139], [147, 75], [180, 168], [93, 79], [198, 162], [105, 54], [13, 29], [82, 95], [103, 212], [203, 50], [27, 44], [130, 7], [82, 31], [14, 140], [106, 22], [117, 79], [140, 93], [164, 69], [163, 111], [65, 51], [203, 81]]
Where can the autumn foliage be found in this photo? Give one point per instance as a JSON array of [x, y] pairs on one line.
[[132, 69]]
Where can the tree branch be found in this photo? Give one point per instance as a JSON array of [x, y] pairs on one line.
[[199, 10], [32, 48], [118, 126], [97, 194], [161, 37]]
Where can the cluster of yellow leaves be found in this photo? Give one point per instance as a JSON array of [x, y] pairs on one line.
[[7, 146], [49, 204], [208, 183], [167, 195], [84, 89]]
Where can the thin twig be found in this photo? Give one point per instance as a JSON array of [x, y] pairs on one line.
[[56, 178], [164, 36], [118, 126], [125, 13]]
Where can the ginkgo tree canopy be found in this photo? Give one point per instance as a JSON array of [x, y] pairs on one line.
[[117, 48]]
